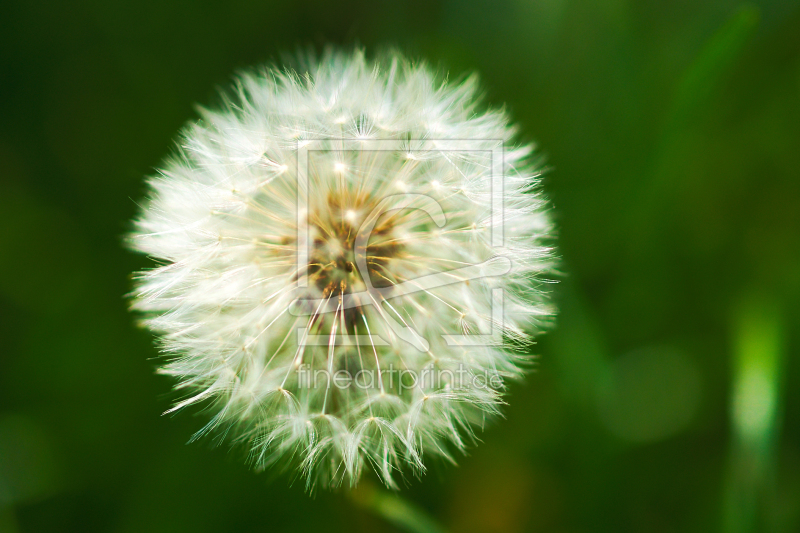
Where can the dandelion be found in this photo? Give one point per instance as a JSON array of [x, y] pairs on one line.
[[351, 265]]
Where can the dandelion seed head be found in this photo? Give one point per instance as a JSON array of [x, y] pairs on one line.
[[317, 291]]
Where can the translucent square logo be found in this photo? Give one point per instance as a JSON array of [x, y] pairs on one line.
[[326, 256]]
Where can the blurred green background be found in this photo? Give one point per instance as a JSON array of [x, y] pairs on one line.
[[666, 400]]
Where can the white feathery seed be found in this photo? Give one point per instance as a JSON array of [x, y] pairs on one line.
[[320, 326]]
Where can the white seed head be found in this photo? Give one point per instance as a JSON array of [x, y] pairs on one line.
[[352, 262]]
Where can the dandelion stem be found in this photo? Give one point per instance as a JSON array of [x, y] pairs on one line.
[[390, 506]]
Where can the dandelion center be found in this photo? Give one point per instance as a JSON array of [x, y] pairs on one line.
[[336, 247]]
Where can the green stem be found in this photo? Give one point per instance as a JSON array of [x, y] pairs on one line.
[[755, 413], [390, 506]]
